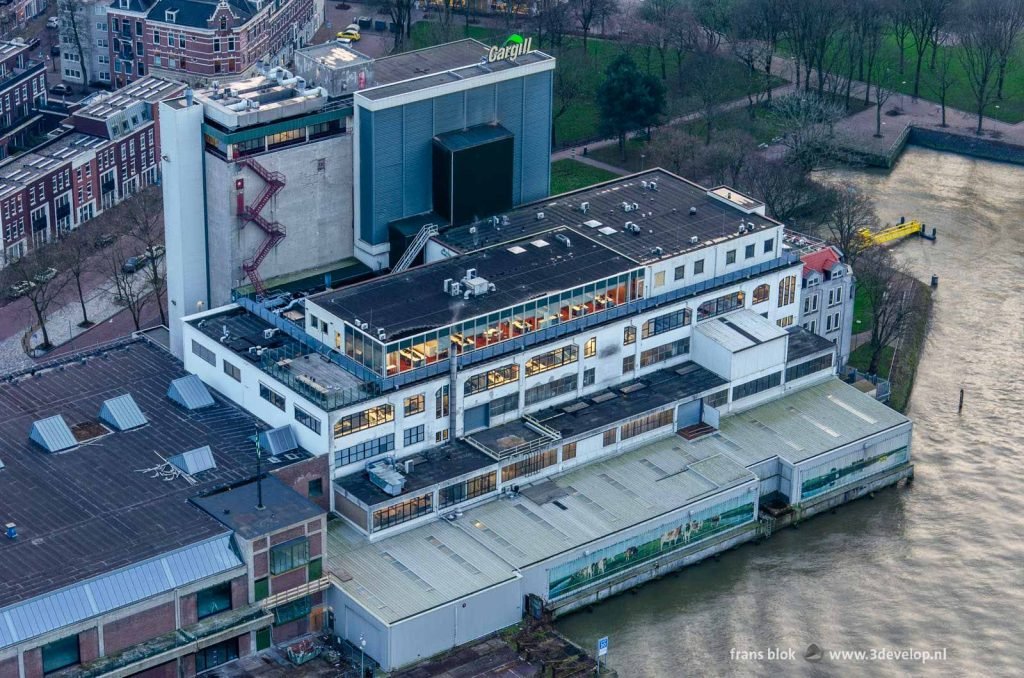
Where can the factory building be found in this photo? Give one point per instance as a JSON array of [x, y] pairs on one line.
[[360, 156], [562, 401]]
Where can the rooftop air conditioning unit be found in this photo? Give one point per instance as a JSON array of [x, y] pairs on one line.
[[584, 206], [364, 326], [653, 185], [564, 239], [693, 210], [742, 228], [381, 334], [643, 184], [472, 230], [694, 240], [626, 207], [448, 284], [750, 225], [658, 251], [455, 289], [270, 332], [505, 221], [470, 273], [633, 227], [540, 215], [634, 207]]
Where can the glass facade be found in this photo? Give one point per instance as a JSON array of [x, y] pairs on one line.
[[535, 463], [365, 450], [723, 304], [477, 333], [374, 416], [289, 555], [655, 355], [756, 386], [647, 423], [466, 490], [566, 355], [809, 367], [402, 511], [212, 600], [666, 323], [566, 384], [484, 381]]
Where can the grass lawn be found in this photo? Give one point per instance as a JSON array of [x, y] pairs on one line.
[[580, 122], [862, 320], [861, 358], [568, 175]]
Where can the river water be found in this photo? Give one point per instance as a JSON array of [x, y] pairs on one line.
[[937, 566]]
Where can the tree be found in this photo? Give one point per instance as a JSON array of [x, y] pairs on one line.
[[979, 51], [727, 157], [882, 90], [712, 16], [552, 22], [39, 272], [762, 22], [400, 12], [130, 288], [924, 19], [754, 54], [629, 99], [894, 297], [706, 74], [812, 26], [570, 85], [899, 26], [783, 187], [943, 78], [587, 12], [658, 17], [74, 32], [444, 28], [852, 211], [678, 152], [1009, 21], [141, 218], [76, 257], [807, 121]]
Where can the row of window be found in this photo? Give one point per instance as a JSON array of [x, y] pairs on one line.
[[484, 381], [466, 490], [534, 463], [365, 450], [809, 367], [658, 354], [647, 423], [749, 251], [368, 418], [756, 386], [551, 389], [402, 512], [558, 357]]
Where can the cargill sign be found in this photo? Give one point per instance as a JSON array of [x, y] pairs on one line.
[[515, 47]]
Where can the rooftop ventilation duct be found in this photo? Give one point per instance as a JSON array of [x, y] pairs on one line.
[[190, 392], [194, 461], [53, 434], [279, 440]]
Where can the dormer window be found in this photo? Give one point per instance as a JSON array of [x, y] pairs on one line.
[[125, 3], [223, 23], [171, 16]]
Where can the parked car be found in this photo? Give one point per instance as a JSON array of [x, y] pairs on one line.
[[104, 240], [45, 276], [133, 264], [19, 289], [351, 36], [60, 89], [54, 50], [53, 22], [155, 253]]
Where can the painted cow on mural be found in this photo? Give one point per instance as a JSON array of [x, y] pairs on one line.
[[670, 537], [632, 552], [600, 566]]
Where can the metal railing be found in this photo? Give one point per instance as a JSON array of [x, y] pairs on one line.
[[883, 389]]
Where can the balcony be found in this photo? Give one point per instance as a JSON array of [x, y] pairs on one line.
[[175, 644]]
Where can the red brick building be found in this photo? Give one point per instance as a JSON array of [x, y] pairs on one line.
[[106, 151], [200, 40], [22, 92]]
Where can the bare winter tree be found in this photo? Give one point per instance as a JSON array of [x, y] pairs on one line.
[[130, 288], [807, 120], [882, 89], [712, 16], [141, 219], [590, 12], [895, 298], [925, 18], [782, 186], [657, 17], [813, 25], [852, 211], [943, 78], [76, 257], [444, 28], [570, 84], [678, 152], [400, 12], [754, 54], [74, 17], [552, 22], [705, 76], [979, 50], [762, 22], [899, 27], [38, 274], [727, 157], [1009, 22]]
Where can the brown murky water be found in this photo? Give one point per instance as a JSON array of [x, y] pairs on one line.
[[937, 567]]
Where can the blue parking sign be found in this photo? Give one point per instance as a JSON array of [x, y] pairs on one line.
[[602, 646]]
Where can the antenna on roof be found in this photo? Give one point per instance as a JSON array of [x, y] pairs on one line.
[[259, 474]]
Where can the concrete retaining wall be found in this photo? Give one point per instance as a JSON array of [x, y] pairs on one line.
[[978, 147]]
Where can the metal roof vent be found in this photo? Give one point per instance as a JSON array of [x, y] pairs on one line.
[[194, 461], [53, 434], [279, 440], [190, 392], [122, 413]]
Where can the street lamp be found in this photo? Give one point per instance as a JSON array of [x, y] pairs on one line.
[[362, 656], [642, 156]]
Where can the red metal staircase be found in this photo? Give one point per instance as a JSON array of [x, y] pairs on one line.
[[273, 182]]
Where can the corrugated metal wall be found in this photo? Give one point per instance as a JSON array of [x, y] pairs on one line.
[[395, 146]]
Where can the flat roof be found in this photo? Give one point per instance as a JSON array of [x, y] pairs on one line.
[[803, 343], [236, 507], [652, 391], [334, 55], [430, 467], [151, 90], [741, 330], [801, 425], [22, 170], [414, 301], [472, 136], [432, 66], [663, 215], [599, 499], [108, 503], [412, 572]]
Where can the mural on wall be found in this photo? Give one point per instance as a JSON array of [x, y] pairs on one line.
[[848, 469], [683, 531]]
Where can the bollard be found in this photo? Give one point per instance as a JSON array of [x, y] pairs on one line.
[[960, 407], [935, 281]]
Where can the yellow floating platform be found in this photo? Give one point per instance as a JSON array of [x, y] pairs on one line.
[[890, 233]]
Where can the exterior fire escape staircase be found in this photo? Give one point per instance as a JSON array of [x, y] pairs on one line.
[[426, 233], [273, 182]]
